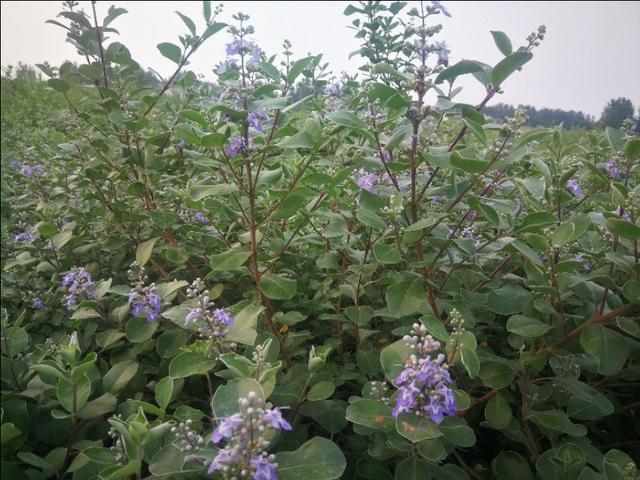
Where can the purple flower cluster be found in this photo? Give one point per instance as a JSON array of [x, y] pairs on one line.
[[613, 170], [24, 237], [79, 286], [367, 181], [443, 53], [247, 49], [37, 304], [216, 321], [585, 265], [201, 218], [425, 383], [146, 303], [256, 118], [333, 89], [32, 171], [237, 145], [245, 454], [574, 187], [437, 7]]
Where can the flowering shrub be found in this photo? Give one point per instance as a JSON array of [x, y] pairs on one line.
[[288, 274]]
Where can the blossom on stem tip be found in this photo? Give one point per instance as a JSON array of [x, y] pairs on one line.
[[425, 382]]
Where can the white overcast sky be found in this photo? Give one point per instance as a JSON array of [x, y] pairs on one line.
[[590, 55]]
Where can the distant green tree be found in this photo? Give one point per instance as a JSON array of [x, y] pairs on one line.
[[615, 112]]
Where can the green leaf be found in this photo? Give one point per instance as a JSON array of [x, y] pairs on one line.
[[229, 260], [190, 363], [559, 421], [508, 300], [416, 428], [457, 431], [527, 327], [213, 29], [388, 96], [8, 432], [420, 224], [562, 234], [528, 252], [58, 85], [298, 66], [393, 357], [615, 139], [171, 51], [607, 346], [470, 165], [317, 459], [66, 392], [225, 401], [585, 402], [470, 361], [386, 254], [163, 392], [496, 375], [632, 147], [321, 391], [510, 465], [140, 330], [461, 68], [502, 42], [372, 414], [347, 119], [243, 328], [631, 290], [413, 468], [97, 407], [119, 376], [188, 22], [277, 287], [405, 297], [498, 412], [507, 66], [615, 464], [370, 219], [622, 228]]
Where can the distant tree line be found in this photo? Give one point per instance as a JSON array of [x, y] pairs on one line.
[[613, 114]]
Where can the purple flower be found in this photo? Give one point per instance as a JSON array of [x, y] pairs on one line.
[[29, 171], [574, 187], [37, 303], [146, 303], [585, 265], [424, 384], [79, 285], [255, 118], [24, 237], [237, 145], [367, 181], [263, 469], [613, 170], [274, 417], [226, 428], [438, 7], [333, 89], [251, 52], [443, 53], [223, 459], [201, 217], [222, 316]]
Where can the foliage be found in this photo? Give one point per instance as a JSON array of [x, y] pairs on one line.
[[543, 117], [615, 112], [413, 291]]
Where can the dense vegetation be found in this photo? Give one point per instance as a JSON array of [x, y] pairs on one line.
[[283, 275]]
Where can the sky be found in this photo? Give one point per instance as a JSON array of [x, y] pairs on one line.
[[589, 56]]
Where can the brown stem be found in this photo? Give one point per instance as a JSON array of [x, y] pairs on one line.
[[595, 320]]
